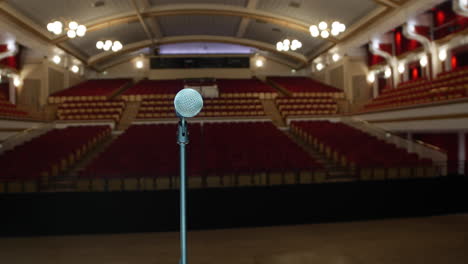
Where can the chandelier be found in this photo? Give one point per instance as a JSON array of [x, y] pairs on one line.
[[287, 45], [108, 44], [324, 31], [72, 28]]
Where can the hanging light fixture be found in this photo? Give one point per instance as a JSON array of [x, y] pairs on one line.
[[287, 44], [71, 28], [324, 30], [108, 44]]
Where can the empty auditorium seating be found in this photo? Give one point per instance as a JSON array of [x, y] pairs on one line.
[[216, 107], [153, 89], [30, 165], [447, 86], [235, 88], [146, 157], [91, 110], [297, 106], [90, 90], [369, 156], [303, 86], [7, 109]]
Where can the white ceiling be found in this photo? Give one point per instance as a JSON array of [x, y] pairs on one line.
[[309, 11]]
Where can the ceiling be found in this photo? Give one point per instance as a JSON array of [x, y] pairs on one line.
[[176, 24]]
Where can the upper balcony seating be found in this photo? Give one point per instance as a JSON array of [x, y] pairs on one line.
[[90, 90], [153, 89], [296, 106], [45, 156], [447, 86], [240, 88], [147, 155], [216, 107], [354, 148], [9, 110], [91, 110], [303, 86]]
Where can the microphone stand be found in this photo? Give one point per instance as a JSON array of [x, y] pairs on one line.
[[182, 140]]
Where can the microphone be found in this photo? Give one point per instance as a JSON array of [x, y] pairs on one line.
[[188, 103]]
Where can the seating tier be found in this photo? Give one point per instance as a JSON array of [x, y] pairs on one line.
[[91, 110], [90, 90]]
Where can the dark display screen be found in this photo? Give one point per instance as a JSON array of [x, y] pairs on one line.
[[200, 62]]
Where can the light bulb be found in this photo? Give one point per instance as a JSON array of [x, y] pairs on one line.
[[388, 72], [81, 30], [99, 44], [371, 77], [335, 57], [279, 46], [139, 64], [336, 25], [73, 25], [443, 55], [401, 68], [319, 66], [259, 63], [58, 24], [75, 69], [293, 47], [117, 45], [56, 59], [324, 34], [315, 33], [423, 61], [108, 43], [71, 33], [323, 25], [342, 27], [51, 27], [335, 31], [299, 44], [286, 42], [285, 48], [16, 81]]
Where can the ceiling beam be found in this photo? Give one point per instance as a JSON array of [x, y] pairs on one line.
[[152, 22], [104, 56], [388, 3], [142, 22], [201, 9], [251, 4]]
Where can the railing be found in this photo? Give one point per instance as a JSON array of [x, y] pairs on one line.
[[423, 150], [25, 135]]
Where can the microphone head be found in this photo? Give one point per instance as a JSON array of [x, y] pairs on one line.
[[188, 102]]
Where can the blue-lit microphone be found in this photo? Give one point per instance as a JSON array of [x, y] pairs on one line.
[[187, 103]]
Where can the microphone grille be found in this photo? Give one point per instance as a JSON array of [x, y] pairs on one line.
[[188, 102]]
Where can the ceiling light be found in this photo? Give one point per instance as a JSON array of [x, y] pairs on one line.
[[319, 66], [401, 68], [73, 25], [336, 25], [75, 69], [336, 57], [442, 55], [371, 77], [279, 46], [51, 27], [335, 31], [259, 63], [81, 30], [99, 44], [71, 33], [323, 25], [139, 64], [286, 42], [423, 61], [285, 48], [342, 27], [324, 34], [56, 59], [16, 81]]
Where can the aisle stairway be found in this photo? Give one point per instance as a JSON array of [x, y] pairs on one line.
[[270, 109], [129, 115], [335, 172]]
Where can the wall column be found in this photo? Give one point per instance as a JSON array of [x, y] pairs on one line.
[[461, 152]]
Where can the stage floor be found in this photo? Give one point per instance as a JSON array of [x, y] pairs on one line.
[[440, 239]]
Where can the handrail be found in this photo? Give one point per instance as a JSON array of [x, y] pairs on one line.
[[17, 137]]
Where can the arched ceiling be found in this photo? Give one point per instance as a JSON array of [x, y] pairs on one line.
[[139, 24]]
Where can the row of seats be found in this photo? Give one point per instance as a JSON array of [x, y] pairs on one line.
[[7, 109], [447, 86], [91, 110], [153, 89], [354, 148], [146, 157], [212, 108], [297, 106], [90, 90], [27, 166], [303, 86], [240, 88]]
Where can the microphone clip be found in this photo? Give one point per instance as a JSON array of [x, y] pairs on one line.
[[182, 132]]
